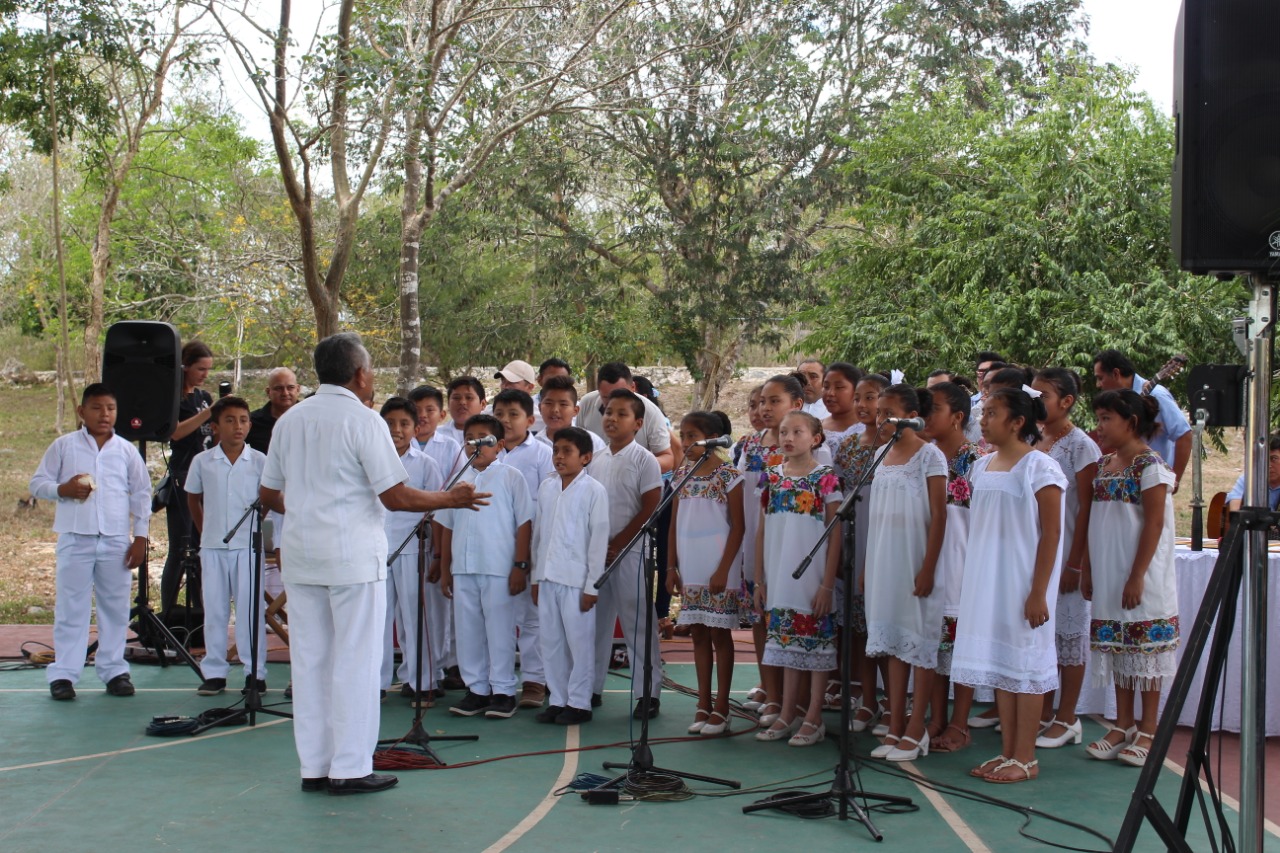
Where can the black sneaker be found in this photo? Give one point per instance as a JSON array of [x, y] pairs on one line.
[[573, 716], [62, 689], [647, 709], [596, 700], [407, 691], [471, 704], [501, 705], [121, 685], [262, 686], [211, 687], [549, 713]]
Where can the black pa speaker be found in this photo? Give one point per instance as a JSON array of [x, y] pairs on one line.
[[1226, 169], [142, 365]]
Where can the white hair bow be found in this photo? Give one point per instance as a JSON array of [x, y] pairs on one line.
[[896, 377], [1031, 392]]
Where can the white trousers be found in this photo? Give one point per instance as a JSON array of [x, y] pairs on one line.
[[90, 566], [485, 617], [335, 652], [402, 613], [568, 638], [227, 573], [528, 616], [622, 598], [442, 651]]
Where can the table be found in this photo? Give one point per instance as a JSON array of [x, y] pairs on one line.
[[1194, 571]]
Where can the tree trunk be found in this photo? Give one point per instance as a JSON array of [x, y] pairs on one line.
[[66, 390], [101, 257], [411, 227], [715, 363]]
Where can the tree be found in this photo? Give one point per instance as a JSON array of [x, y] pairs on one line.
[[1036, 226], [728, 158]]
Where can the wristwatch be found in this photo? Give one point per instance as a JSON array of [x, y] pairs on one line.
[[522, 565]]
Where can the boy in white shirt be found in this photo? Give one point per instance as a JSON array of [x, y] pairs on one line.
[[633, 481], [484, 568], [221, 484], [444, 451], [532, 458], [570, 538], [464, 397], [558, 404], [401, 416], [102, 491]]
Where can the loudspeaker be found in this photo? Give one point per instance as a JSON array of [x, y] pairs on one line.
[[1226, 169], [142, 365]]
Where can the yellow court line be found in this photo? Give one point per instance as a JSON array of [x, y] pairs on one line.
[[162, 745], [948, 814], [567, 771]]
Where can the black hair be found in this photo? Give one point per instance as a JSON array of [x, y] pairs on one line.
[[964, 382], [96, 389], [231, 401], [1064, 380], [580, 438], [399, 404], [465, 381], [956, 398], [1131, 406], [637, 404], [801, 378], [561, 383], [613, 371], [845, 369], [1113, 359], [494, 425], [793, 386], [338, 357], [1020, 404], [912, 399], [515, 395], [986, 355], [1011, 376], [193, 351], [645, 389], [427, 392], [878, 379], [710, 424], [554, 362], [1273, 443], [934, 374]]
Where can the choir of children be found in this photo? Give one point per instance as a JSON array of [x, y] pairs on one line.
[[1008, 564]]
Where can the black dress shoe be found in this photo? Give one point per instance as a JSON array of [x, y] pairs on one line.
[[646, 709], [364, 785], [120, 685], [62, 689], [317, 783], [262, 685], [596, 700], [549, 714]]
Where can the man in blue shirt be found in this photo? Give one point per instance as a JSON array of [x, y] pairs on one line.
[[1113, 371], [1235, 497]]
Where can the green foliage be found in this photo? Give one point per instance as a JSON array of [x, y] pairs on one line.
[[1036, 226]]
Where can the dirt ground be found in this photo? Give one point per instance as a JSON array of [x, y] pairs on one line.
[[27, 542]]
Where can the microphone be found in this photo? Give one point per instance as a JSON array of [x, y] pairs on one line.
[[916, 424], [721, 441], [487, 441]]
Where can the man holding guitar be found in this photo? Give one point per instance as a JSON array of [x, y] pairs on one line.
[[1112, 370]]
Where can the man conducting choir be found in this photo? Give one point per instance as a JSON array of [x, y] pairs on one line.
[[333, 464]]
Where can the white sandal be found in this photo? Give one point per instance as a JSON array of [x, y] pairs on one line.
[[1134, 755], [1013, 762], [1104, 750]]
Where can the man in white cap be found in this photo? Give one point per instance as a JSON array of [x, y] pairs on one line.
[[521, 375]]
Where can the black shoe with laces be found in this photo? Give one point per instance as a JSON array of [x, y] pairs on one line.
[[549, 714], [647, 709], [501, 706], [211, 687], [121, 685], [573, 716], [471, 704], [262, 686], [62, 689]]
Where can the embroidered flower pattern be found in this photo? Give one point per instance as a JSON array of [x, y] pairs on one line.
[[792, 629], [802, 495], [1124, 485], [1112, 636], [959, 489], [756, 456], [853, 459], [948, 634], [714, 487]]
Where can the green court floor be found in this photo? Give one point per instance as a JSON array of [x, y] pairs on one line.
[[84, 775]]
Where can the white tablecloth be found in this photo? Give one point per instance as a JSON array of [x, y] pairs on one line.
[[1194, 571]]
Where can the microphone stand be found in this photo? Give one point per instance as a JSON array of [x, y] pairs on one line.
[[252, 697], [1197, 481], [417, 735], [843, 789], [641, 755]]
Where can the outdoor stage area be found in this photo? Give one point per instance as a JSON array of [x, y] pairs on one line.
[[84, 774]]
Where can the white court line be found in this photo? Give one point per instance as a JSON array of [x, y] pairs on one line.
[[567, 772], [1227, 800], [162, 745], [957, 824]]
